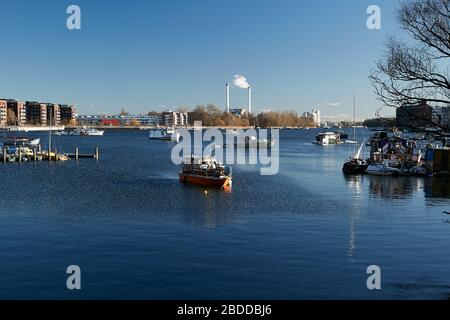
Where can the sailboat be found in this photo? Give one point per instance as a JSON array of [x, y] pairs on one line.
[[53, 155], [355, 165]]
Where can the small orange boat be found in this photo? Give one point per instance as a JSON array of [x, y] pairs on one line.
[[205, 171]]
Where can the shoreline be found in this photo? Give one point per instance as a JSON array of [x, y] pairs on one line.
[[68, 127]]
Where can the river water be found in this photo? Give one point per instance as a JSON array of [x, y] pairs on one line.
[[138, 233]]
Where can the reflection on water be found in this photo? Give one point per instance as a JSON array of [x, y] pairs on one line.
[[355, 184], [437, 187], [386, 187], [134, 225], [394, 187]]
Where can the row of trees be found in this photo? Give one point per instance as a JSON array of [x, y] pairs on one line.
[[283, 119], [211, 115]]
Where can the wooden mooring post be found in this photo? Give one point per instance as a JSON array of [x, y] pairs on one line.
[[96, 153], [20, 154], [76, 153], [34, 154], [4, 155]]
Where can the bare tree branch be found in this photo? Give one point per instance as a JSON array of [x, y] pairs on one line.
[[411, 72]]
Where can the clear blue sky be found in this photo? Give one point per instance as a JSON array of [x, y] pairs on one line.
[[142, 55]]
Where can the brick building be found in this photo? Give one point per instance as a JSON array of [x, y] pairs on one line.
[[3, 112], [36, 113], [67, 114]]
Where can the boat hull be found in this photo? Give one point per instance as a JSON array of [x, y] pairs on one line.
[[205, 181], [352, 168], [381, 170]]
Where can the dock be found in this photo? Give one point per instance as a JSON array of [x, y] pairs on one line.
[[33, 154]]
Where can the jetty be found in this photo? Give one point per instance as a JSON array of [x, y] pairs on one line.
[[34, 154]]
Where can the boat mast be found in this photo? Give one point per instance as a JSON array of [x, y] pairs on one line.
[[354, 115], [50, 136]]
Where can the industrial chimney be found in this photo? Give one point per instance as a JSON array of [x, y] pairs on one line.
[[227, 93], [249, 99]]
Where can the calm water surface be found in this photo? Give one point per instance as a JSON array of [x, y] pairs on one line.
[[137, 233]]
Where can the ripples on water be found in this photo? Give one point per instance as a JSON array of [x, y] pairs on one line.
[[136, 232]]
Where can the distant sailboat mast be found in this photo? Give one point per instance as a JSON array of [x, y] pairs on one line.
[[354, 115], [50, 136]]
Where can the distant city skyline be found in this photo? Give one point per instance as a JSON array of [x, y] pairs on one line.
[[159, 55]]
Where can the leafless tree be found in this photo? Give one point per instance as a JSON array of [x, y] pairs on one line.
[[417, 68]]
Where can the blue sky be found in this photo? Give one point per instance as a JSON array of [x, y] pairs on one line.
[[143, 55]]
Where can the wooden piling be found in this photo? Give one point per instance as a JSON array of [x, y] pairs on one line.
[[20, 154], [4, 155], [39, 148], [76, 153], [34, 154], [96, 153], [56, 154]]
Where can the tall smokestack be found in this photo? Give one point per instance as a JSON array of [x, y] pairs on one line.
[[249, 99], [227, 93]]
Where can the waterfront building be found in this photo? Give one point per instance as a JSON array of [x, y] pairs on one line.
[[144, 120], [67, 114], [316, 116], [3, 112], [119, 120], [441, 116], [174, 119], [307, 114], [53, 116], [36, 113], [419, 115], [18, 112]]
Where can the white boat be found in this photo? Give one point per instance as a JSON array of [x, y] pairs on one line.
[[61, 133], [92, 132], [76, 132], [327, 138], [385, 168], [35, 142], [21, 141], [168, 134], [87, 132]]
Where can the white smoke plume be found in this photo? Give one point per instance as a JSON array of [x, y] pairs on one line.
[[240, 82]]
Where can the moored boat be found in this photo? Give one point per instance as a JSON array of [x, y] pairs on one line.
[[92, 132], [355, 165], [167, 134], [205, 171], [85, 132], [21, 141], [327, 138], [386, 168]]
